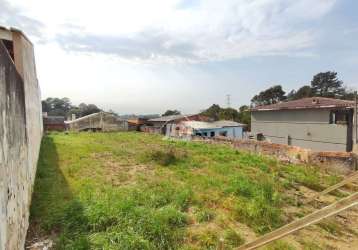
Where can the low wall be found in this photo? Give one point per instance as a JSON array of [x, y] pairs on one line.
[[20, 137], [340, 162]]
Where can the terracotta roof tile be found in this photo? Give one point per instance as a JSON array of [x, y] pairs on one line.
[[307, 103]]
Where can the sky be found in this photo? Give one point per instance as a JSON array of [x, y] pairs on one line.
[[144, 57]]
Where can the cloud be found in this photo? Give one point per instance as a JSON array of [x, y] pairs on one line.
[[212, 31], [12, 16], [147, 45]]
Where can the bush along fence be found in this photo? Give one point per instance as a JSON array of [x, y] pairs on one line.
[[340, 162]]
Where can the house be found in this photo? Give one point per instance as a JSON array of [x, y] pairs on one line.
[[317, 123], [135, 124], [101, 121], [187, 129], [159, 125], [53, 123]]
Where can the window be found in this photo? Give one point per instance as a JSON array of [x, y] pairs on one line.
[[338, 117], [289, 140], [212, 134], [198, 134], [9, 46], [260, 137], [205, 134], [223, 133]]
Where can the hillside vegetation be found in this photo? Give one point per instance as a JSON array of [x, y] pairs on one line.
[[139, 191]]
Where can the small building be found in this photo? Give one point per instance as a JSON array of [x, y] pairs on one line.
[[101, 121], [187, 129], [54, 123], [135, 124], [159, 125], [317, 123]]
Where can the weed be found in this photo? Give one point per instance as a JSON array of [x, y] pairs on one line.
[[205, 215], [279, 245], [310, 245], [232, 238], [331, 227]]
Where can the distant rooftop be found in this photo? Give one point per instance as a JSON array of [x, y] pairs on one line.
[[211, 125], [307, 103], [54, 120], [168, 118]]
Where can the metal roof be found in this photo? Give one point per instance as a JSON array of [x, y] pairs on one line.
[[307, 103], [93, 115]]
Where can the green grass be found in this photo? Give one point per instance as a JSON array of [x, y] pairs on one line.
[[138, 191]]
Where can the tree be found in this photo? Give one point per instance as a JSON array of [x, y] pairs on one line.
[[88, 109], [56, 106], [216, 113], [291, 95], [63, 107], [326, 84], [245, 116], [171, 112], [45, 106], [271, 95], [229, 114], [303, 92], [213, 112]]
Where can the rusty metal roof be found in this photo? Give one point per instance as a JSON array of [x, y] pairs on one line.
[[307, 103]]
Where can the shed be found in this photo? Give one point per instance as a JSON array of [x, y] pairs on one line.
[[54, 123], [159, 125], [188, 129], [101, 121]]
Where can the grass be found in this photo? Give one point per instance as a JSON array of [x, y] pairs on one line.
[[138, 191]]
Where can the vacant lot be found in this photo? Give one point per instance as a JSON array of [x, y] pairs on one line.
[[138, 191]]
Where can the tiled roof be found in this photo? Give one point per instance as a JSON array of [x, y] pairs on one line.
[[307, 103]]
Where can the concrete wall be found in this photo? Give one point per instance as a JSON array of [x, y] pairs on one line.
[[20, 137], [307, 129]]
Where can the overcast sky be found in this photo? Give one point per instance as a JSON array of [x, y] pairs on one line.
[[139, 56]]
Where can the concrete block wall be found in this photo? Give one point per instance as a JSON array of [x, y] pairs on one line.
[[339, 162], [20, 138]]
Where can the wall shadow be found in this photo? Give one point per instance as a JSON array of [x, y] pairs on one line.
[[54, 210]]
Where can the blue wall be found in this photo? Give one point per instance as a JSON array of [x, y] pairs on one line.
[[231, 132]]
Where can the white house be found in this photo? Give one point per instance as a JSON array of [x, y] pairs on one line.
[[187, 129]]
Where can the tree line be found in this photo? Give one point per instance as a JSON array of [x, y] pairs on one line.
[[64, 107], [324, 84]]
